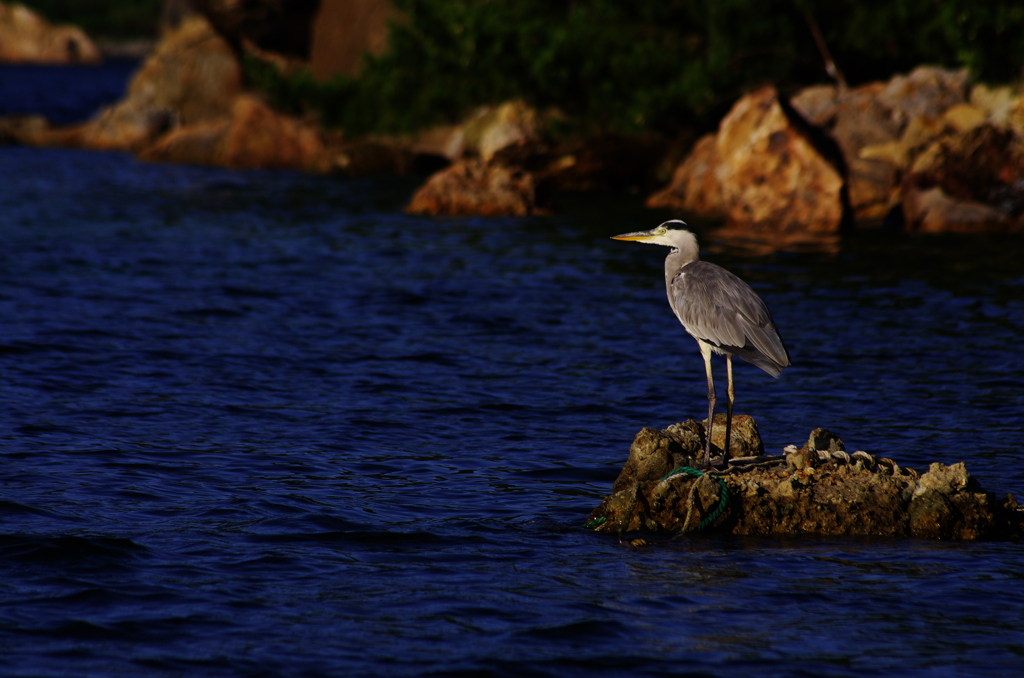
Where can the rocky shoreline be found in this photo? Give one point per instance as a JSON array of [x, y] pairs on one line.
[[928, 149], [817, 489]]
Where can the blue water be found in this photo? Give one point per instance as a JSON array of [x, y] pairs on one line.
[[64, 94], [264, 424]]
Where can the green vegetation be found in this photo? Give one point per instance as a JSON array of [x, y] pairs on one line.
[[119, 19], [645, 65], [607, 64]]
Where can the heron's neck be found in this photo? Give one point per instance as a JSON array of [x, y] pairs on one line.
[[680, 257]]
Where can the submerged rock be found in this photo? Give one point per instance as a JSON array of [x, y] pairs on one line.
[[818, 489]]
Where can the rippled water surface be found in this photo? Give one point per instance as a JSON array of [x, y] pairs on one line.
[[63, 94], [264, 424]]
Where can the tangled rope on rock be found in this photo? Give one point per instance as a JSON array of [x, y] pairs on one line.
[[723, 497], [723, 500]]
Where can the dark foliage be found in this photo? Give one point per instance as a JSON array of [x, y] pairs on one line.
[[103, 18], [648, 65], [606, 64]]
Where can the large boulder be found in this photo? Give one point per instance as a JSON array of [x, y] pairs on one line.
[[26, 37], [769, 172], [760, 170], [191, 77]]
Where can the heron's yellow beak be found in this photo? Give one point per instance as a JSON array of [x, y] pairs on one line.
[[637, 236]]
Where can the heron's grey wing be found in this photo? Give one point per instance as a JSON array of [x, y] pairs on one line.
[[717, 307]]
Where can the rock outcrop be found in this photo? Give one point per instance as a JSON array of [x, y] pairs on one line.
[[924, 145], [854, 119], [26, 37], [770, 174], [477, 183], [818, 489], [501, 151], [192, 77], [763, 171], [186, 104], [878, 125]]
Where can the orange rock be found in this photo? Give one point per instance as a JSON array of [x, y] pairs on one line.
[[927, 91], [25, 130], [694, 188], [932, 211], [872, 187], [192, 76], [818, 104], [972, 181], [259, 137], [472, 187], [856, 120], [881, 127], [198, 144], [192, 72], [26, 37], [125, 126], [770, 174], [255, 136]]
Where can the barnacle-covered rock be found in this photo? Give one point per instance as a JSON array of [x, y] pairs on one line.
[[817, 489]]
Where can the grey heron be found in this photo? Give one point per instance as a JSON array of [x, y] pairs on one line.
[[717, 309]]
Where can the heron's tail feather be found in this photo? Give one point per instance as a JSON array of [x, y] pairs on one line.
[[765, 349]]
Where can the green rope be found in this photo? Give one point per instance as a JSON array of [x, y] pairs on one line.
[[723, 499], [723, 495]]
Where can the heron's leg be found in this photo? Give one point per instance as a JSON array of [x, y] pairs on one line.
[[705, 350], [728, 410]]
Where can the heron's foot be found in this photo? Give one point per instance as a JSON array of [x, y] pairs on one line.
[[709, 463]]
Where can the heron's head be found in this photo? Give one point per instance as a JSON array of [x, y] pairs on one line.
[[670, 234]]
